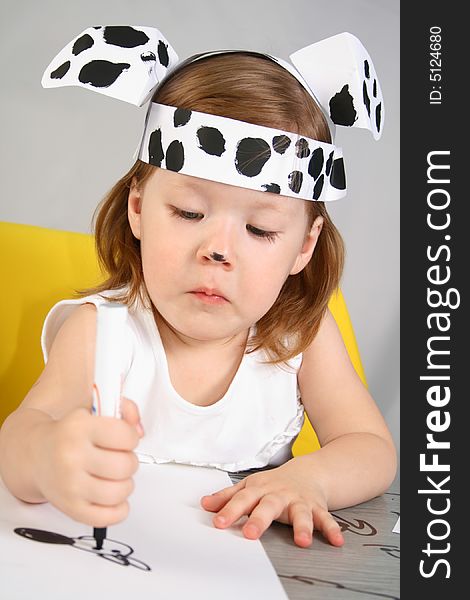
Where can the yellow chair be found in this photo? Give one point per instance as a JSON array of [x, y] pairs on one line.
[[42, 266]]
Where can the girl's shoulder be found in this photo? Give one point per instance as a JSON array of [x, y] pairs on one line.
[[82, 311], [61, 312], [327, 353]]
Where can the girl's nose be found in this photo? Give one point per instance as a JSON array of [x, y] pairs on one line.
[[209, 255], [218, 248]]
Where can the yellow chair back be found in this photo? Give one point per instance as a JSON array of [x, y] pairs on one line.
[[41, 266]]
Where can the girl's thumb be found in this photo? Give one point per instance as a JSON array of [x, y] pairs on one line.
[[130, 414]]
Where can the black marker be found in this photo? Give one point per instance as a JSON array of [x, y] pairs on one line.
[[110, 339], [99, 533]]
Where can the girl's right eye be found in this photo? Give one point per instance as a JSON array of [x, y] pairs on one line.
[[188, 215]]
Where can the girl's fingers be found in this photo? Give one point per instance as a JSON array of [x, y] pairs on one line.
[[111, 464], [113, 434], [327, 525], [263, 514], [263, 508], [130, 414], [97, 515], [242, 503], [104, 492], [300, 515], [217, 500]]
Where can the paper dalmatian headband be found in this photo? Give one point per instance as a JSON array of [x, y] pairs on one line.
[[264, 159], [129, 63]]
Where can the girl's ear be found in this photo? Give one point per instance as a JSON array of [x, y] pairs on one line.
[[308, 247], [134, 206]]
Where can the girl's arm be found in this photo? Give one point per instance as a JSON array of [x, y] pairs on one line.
[[64, 386], [357, 459], [52, 448]]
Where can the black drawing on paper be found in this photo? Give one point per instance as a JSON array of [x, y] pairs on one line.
[[112, 550]]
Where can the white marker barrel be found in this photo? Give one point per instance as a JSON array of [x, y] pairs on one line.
[[110, 349]]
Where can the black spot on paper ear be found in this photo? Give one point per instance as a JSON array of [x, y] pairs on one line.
[[315, 164], [318, 188], [163, 54], [181, 117], [295, 181], [274, 188], [378, 116], [281, 143], [374, 88], [301, 148], [338, 176], [342, 111], [60, 71], [83, 43], [124, 36], [101, 73], [211, 140], [329, 162], [175, 156], [366, 98], [156, 148], [251, 156], [366, 69], [148, 56]]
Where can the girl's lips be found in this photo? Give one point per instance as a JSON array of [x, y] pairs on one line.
[[209, 296]]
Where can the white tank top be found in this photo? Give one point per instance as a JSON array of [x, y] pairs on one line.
[[252, 426]]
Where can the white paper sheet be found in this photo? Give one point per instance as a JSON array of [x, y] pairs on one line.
[[166, 529], [396, 528]]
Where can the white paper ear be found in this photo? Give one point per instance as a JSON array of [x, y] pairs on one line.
[[120, 61], [341, 75]]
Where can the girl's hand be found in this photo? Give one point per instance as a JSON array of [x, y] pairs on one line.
[[84, 464], [287, 494]]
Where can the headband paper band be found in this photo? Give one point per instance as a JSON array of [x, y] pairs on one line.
[[252, 156], [130, 63]]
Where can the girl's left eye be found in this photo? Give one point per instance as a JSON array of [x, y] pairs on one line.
[[262, 233]]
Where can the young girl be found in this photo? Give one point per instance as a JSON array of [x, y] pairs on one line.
[[230, 338]]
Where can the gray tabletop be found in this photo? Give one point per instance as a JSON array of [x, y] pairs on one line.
[[366, 567]]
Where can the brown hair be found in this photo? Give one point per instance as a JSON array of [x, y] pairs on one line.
[[252, 88]]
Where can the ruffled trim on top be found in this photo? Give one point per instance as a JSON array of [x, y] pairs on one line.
[[262, 458]]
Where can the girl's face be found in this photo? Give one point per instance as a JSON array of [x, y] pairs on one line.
[[215, 256]]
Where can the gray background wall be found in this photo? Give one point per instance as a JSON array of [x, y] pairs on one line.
[[62, 149]]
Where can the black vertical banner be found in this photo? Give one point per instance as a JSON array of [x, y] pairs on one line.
[[435, 323]]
